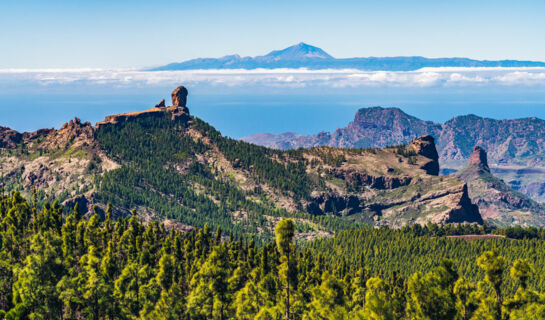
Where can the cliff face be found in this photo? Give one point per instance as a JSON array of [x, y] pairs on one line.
[[9, 138], [498, 202], [392, 186], [178, 111], [513, 145], [520, 141], [425, 146], [191, 166]]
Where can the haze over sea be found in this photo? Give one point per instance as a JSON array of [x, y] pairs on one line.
[[241, 103]]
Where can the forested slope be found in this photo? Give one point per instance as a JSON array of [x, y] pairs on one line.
[[164, 164], [56, 264]]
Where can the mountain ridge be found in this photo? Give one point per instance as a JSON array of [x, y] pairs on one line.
[[516, 147], [497, 201], [307, 56], [165, 164]]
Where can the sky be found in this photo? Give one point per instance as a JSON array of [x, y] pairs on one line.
[[126, 34]]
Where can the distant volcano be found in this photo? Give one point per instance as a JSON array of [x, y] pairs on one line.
[[300, 51], [303, 55]]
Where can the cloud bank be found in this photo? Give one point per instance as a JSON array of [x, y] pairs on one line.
[[291, 78]]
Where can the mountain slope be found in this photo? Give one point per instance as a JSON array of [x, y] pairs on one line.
[[167, 164], [300, 51], [498, 203], [517, 147], [303, 55]]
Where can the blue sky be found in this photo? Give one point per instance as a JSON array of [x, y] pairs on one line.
[[74, 34]]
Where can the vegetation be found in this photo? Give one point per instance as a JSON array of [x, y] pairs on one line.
[[59, 265], [161, 172]]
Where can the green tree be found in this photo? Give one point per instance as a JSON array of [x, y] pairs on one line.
[[493, 265], [34, 291], [208, 296], [285, 230]]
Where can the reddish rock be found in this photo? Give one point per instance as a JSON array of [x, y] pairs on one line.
[[9, 138], [478, 158], [425, 146], [179, 97]]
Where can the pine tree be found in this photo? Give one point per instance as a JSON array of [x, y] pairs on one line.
[[34, 291], [493, 266], [285, 231]]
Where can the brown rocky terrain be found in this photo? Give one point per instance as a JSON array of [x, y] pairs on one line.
[[79, 163], [516, 148], [178, 110], [498, 202]]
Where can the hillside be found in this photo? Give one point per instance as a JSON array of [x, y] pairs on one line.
[[498, 203], [166, 164], [57, 264], [516, 147], [303, 55]]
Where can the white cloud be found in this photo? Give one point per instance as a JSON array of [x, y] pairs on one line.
[[426, 77]]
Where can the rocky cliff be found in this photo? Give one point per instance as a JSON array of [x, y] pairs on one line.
[[499, 204], [516, 147], [178, 110], [166, 163]]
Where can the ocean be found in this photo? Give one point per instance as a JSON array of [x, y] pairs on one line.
[[244, 113]]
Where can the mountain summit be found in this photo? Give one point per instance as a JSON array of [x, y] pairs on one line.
[[300, 51], [303, 55], [498, 203]]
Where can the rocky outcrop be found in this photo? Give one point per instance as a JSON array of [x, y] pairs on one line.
[[425, 146], [161, 104], [359, 179], [178, 111], [9, 138], [478, 158], [28, 137], [518, 143], [464, 210], [333, 204], [179, 97], [508, 141], [497, 201], [74, 133]]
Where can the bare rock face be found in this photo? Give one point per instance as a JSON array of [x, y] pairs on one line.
[[359, 179], [425, 146], [73, 133], [178, 111], [336, 204], [9, 138], [478, 158], [464, 210], [161, 104], [179, 100], [179, 97]]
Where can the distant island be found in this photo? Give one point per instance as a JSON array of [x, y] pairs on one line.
[[303, 55]]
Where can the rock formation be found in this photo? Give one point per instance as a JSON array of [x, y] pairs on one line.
[[478, 158], [425, 146], [74, 133], [383, 187], [9, 138], [510, 143], [179, 97], [497, 201], [178, 111], [161, 104]]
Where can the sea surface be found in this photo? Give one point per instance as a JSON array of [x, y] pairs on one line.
[[242, 114]]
